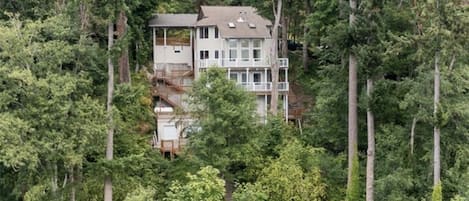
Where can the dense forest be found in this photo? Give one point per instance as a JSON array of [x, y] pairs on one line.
[[387, 115]]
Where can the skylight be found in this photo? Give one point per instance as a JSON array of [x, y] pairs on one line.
[[231, 25]]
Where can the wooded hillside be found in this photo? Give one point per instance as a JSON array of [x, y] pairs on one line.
[[386, 114]]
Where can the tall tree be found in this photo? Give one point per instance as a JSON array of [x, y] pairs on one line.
[[436, 128], [370, 160], [352, 106], [224, 113], [110, 131], [121, 31], [274, 57], [308, 10]]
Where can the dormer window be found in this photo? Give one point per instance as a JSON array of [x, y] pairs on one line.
[[231, 25], [252, 26]]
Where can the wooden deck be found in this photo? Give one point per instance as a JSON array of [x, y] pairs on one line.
[[170, 147]]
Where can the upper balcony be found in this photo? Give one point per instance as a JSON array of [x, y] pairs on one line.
[[241, 62], [263, 86]]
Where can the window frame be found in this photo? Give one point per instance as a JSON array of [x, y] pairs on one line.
[[233, 49], [244, 49], [257, 49], [254, 77], [204, 54], [203, 33]]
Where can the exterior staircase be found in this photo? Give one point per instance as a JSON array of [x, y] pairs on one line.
[[170, 87]]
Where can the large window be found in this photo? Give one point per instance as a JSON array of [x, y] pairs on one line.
[[245, 50], [233, 45], [256, 49], [203, 32]]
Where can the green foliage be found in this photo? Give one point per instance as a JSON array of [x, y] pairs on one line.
[[286, 177], [203, 186], [437, 193], [53, 122], [224, 113], [140, 194], [353, 191], [249, 192]]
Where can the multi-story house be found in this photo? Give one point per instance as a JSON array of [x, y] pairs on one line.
[[184, 45]]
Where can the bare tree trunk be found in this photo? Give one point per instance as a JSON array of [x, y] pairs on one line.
[[305, 49], [412, 135], [110, 132], [137, 65], [83, 16], [284, 36], [72, 183], [305, 34], [274, 59], [60, 5], [54, 180], [352, 103], [124, 68], [436, 128], [370, 160], [229, 188]]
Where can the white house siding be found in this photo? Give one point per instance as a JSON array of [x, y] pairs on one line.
[[169, 54], [165, 123], [209, 44]]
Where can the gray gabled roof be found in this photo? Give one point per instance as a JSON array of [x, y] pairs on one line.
[[173, 20], [221, 16]]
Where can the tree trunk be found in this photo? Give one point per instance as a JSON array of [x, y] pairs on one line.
[[110, 132], [274, 59], [137, 65], [72, 183], [83, 16], [352, 103], [370, 160], [436, 128], [284, 36], [229, 188], [305, 49], [124, 68], [412, 135], [54, 180], [305, 34]]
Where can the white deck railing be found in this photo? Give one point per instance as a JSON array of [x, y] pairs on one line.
[[263, 86], [239, 62]]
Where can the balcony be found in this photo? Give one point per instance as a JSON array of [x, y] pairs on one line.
[[263, 86], [241, 63]]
